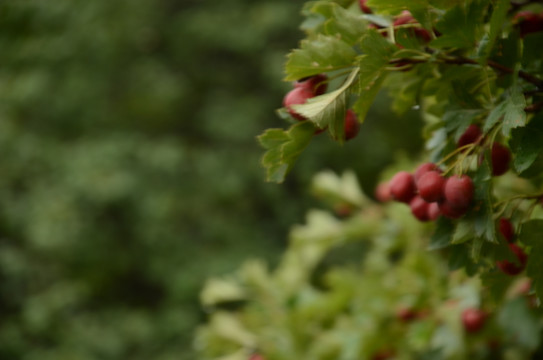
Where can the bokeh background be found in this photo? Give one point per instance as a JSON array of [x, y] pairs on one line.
[[129, 168]]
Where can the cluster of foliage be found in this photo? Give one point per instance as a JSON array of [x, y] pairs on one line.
[[468, 284]]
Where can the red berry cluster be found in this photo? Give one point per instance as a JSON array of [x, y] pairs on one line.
[[508, 267], [310, 87], [428, 193]]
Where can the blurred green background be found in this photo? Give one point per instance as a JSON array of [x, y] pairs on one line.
[[129, 169]]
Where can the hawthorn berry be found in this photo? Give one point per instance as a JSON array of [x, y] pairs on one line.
[[450, 211], [382, 192], [406, 18], [501, 157], [406, 314], [528, 22], [506, 229], [423, 169], [458, 191], [256, 357], [430, 186], [365, 9], [316, 84], [419, 208], [471, 135], [296, 96], [384, 354], [511, 268], [402, 187], [473, 319], [351, 126], [433, 211]]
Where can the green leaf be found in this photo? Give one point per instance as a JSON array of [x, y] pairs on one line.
[[460, 26], [459, 120], [463, 232], [396, 6], [519, 323], [328, 110], [378, 52], [341, 23], [318, 55], [283, 148], [497, 284], [511, 110], [442, 237], [531, 235], [499, 15], [527, 143], [483, 207]]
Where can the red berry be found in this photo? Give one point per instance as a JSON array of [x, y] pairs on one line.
[[500, 159], [402, 187], [296, 96], [430, 186], [423, 169], [473, 320], [406, 18], [384, 355], [433, 211], [528, 22], [406, 314], [419, 208], [471, 135], [316, 84], [511, 268], [256, 357], [351, 125], [365, 9], [458, 191], [506, 229], [382, 192], [451, 211]]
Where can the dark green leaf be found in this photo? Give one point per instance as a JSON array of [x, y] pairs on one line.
[[531, 235], [483, 208], [460, 26], [442, 236], [499, 14], [511, 110], [497, 284], [527, 143]]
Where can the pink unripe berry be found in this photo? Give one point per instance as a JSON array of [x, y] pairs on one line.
[[500, 159], [382, 192], [351, 126], [511, 268], [471, 135], [506, 229], [458, 191], [473, 320], [402, 187], [430, 186], [419, 208], [296, 96]]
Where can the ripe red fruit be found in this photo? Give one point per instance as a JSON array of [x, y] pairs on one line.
[[433, 211], [256, 357], [406, 314], [402, 187], [423, 169], [471, 135], [506, 229], [451, 211], [430, 186], [316, 84], [351, 125], [365, 9], [382, 192], [406, 18], [384, 355], [528, 22], [296, 96], [500, 159], [511, 268], [419, 208], [473, 320], [458, 191]]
